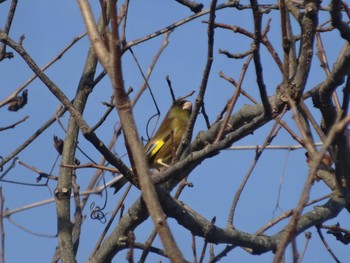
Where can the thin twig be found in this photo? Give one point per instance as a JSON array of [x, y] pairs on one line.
[[321, 54], [311, 118], [265, 41], [304, 130], [91, 165], [204, 249], [59, 112], [130, 253], [125, 17], [228, 4], [233, 100], [120, 203], [14, 124], [308, 237], [110, 108], [10, 219], [186, 138], [326, 245], [40, 173], [49, 64], [244, 93], [3, 53], [291, 229], [336, 229], [287, 214], [281, 181], [96, 191], [295, 252], [272, 134], [2, 229], [78, 213], [237, 56], [148, 245], [194, 249]]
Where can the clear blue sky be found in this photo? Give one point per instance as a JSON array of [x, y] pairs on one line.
[[50, 25]]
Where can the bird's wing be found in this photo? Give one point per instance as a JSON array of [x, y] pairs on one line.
[[156, 145]]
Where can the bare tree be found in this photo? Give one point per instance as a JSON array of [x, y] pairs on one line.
[[279, 91]]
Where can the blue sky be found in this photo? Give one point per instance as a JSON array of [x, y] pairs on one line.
[[50, 25]]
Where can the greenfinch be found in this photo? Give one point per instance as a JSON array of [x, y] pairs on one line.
[[160, 149]]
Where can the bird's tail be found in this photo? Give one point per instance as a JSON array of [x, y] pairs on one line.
[[119, 183]]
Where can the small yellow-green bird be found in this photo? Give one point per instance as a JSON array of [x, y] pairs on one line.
[[161, 147]]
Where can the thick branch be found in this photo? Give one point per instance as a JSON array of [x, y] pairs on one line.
[[322, 98], [195, 7], [204, 228], [187, 137], [308, 27], [257, 61], [336, 9]]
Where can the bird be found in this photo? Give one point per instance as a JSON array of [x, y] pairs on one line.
[[161, 147], [18, 102]]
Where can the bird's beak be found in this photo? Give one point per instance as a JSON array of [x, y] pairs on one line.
[[187, 106]]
